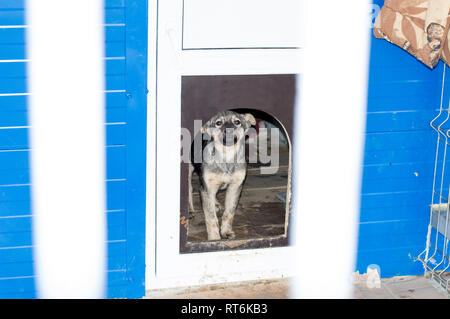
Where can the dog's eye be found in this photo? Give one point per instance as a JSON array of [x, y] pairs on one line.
[[237, 122], [219, 123]]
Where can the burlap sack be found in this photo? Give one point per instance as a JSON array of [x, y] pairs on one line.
[[418, 26]]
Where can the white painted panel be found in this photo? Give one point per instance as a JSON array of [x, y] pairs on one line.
[[166, 267], [241, 24]]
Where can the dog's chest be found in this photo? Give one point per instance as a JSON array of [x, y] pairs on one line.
[[220, 177]]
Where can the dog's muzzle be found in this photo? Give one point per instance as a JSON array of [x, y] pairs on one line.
[[229, 140]]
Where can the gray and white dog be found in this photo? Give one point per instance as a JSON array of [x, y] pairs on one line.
[[222, 165]]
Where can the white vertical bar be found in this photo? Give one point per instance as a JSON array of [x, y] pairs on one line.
[[65, 45], [329, 136]]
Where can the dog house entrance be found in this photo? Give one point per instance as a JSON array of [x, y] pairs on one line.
[[261, 218]]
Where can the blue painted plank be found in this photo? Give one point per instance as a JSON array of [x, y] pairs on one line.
[[17, 138], [12, 17], [115, 278], [116, 115], [114, 3], [119, 291], [12, 208], [19, 295], [16, 254], [13, 85], [12, 103], [116, 252], [17, 70], [12, 51], [115, 33], [401, 103], [116, 195], [399, 120], [14, 160], [16, 163], [394, 89], [398, 156], [115, 82], [12, 69], [16, 270], [14, 193], [403, 211], [17, 35], [17, 51], [20, 4], [11, 177], [12, 4], [15, 199], [12, 36], [116, 134], [24, 223], [136, 54], [13, 118], [17, 285], [411, 170], [113, 100], [395, 199], [13, 239], [397, 185], [116, 100], [10, 118], [385, 234], [20, 269], [20, 286], [388, 74], [404, 140], [115, 162], [115, 67], [113, 15], [115, 49]]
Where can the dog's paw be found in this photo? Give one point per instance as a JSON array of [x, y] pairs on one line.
[[227, 234], [214, 237]]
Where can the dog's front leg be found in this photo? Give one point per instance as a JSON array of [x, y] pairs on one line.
[[209, 209], [191, 200], [231, 201]]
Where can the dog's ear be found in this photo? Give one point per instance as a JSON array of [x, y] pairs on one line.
[[250, 119], [205, 127]]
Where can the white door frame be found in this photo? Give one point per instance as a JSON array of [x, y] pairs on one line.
[[165, 266]]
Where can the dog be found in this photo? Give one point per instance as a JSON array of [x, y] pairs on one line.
[[221, 165]]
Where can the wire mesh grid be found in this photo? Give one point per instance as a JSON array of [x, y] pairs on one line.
[[436, 256]]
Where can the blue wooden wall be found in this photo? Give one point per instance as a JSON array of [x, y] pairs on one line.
[[403, 97], [126, 75], [398, 162]]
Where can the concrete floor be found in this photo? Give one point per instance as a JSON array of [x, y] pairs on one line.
[[407, 287]]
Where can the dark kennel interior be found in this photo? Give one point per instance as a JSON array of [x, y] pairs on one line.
[[260, 219]]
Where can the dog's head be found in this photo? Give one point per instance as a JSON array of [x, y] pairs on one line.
[[228, 128]]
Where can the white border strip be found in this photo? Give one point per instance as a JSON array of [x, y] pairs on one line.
[[328, 150], [66, 79]]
